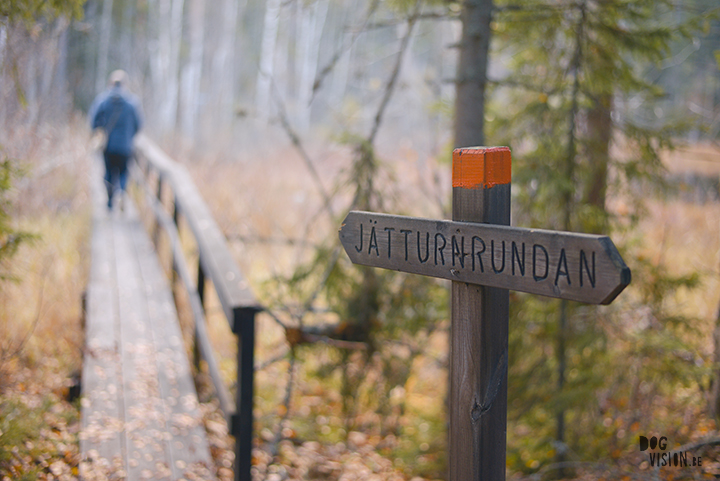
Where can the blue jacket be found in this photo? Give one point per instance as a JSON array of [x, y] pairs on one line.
[[117, 113]]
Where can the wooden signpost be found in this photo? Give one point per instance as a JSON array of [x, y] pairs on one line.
[[484, 257]]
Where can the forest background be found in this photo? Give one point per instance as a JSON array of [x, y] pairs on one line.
[[288, 114]]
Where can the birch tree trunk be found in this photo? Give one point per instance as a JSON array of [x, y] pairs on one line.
[[267, 58], [223, 68], [168, 60], [341, 76], [60, 79], [313, 21], [104, 45], [192, 73], [126, 41]]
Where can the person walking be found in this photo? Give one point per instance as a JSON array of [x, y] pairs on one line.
[[117, 112]]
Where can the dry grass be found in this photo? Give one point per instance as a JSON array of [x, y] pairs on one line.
[[41, 337], [51, 201], [685, 237]]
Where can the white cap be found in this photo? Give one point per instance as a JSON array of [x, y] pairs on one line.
[[118, 78]]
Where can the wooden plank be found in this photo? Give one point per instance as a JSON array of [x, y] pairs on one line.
[[141, 416], [202, 340], [236, 299], [579, 267], [479, 330], [189, 450], [146, 439], [102, 422]]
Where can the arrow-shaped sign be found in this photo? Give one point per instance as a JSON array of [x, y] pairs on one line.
[[579, 267]]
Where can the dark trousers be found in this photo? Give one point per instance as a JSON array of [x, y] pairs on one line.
[[116, 173]]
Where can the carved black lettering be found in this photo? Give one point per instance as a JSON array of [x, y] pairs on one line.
[[373, 242], [458, 251], [406, 232], [562, 268], [389, 230], [440, 248], [479, 254], [516, 256], [492, 257], [584, 261], [427, 247], [359, 249], [547, 262]]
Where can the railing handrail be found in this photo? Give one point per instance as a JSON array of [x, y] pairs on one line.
[[216, 263], [202, 339]]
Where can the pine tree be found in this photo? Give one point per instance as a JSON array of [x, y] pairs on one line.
[[567, 105]]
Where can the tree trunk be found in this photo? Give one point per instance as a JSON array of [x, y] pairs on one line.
[[567, 205], [223, 69], [472, 73], [129, 60], [167, 62], [600, 136], [340, 77], [192, 73], [60, 79], [104, 45], [313, 21], [267, 58]]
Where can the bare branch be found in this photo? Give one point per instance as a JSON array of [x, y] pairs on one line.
[[319, 78], [276, 318], [297, 143], [328, 270], [339, 343], [8, 353], [251, 239], [534, 8], [271, 361], [286, 404], [389, 89], [423, 16]]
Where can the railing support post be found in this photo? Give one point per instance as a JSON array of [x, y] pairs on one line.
[[156, 231], [176, 220], [242, 423], [201, 295]]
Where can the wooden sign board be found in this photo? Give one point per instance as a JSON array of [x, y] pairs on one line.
[[578, 267]]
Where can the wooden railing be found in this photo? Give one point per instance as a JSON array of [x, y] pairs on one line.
[[216, 264]]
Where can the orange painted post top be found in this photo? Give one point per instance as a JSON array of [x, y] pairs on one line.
[[481, 167]]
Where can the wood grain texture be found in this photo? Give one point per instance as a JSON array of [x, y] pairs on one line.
[[140, 417], [188, 450], [478, 355], [102, 421], [580, 267]]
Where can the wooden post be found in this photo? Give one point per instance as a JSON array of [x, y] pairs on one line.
[[479, 331], [201, 295], [156, 230], [176, 221], [242, 423]]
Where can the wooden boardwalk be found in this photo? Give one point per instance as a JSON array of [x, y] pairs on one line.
[[140, 413]]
